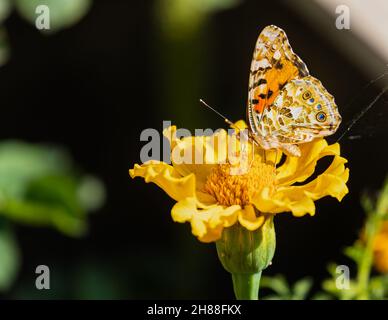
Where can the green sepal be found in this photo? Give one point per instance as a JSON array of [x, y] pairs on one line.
[[244, 251], [245, 254]]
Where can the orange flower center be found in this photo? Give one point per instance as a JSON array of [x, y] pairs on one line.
[[229, 187]]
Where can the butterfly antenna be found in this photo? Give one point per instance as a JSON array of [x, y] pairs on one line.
[[371, 82], [362, 113], [217, 112], [226, 120]]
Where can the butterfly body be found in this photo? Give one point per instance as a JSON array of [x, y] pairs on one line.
[[286, 105]]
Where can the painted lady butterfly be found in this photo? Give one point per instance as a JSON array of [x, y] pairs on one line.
[[286, 105]]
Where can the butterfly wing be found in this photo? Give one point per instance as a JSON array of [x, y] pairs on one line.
[[273, 65], [286, 106], [302, 111]]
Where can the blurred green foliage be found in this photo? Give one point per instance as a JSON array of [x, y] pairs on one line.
[[179, 18], [365, 285], [282, 290], [5, 9], [9, 256], [39, 186], [62, 14]]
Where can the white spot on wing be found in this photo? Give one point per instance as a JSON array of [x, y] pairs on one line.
[[260, 46], [279, 101], [260, 64], [271, 34], [296, 112]]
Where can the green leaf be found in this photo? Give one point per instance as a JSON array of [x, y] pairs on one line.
[[20, 163], [302, 288], [355, 252], [50, 200], [41, 215], [277, 283], [367, 203], [57, 191], [329, 286], [63, 13], [38, 187], [5, 9], [378, 287], [9, 258]]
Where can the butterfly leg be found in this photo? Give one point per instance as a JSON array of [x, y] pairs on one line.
[[264, 156]]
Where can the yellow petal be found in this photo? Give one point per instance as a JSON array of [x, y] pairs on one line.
[[300, 199], [299, 204], [226, 217], [212, 235], [298, 169], [198, 154], [239, 125], [170, 134], [248, 219], [207, 224], [331, 183], [167, 178]]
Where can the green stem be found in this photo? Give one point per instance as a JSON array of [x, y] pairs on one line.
[[246, 285], [365, 266], [363, 274]]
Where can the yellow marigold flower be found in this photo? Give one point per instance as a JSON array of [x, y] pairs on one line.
[[380, 249], [211, 198]]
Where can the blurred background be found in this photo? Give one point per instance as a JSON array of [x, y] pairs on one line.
[[75, 99]]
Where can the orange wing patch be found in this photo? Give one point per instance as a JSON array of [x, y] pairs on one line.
[[275, 80], [273, 65]]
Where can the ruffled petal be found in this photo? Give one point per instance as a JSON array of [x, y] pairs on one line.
[[248, 219], [300, 199], [167, 178], [299, 204], [298, 169], [198, 154], [194, 158], [206, 224]]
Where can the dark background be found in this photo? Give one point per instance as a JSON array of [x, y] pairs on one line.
[[93, 88]]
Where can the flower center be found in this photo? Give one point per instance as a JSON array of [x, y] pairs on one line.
[[230, 189]]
